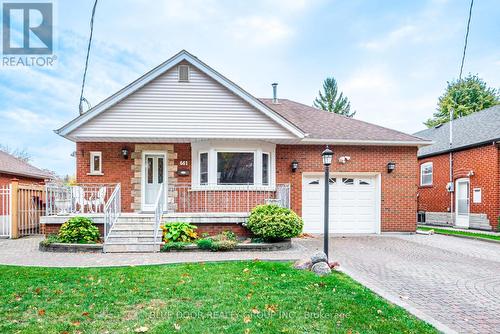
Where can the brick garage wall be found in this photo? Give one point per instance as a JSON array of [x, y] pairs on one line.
[[399, 189], [484, 162]]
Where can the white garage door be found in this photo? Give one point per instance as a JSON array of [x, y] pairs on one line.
[[353, 204]]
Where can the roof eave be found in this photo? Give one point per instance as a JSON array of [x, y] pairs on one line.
[[334, 141], [460, 148]]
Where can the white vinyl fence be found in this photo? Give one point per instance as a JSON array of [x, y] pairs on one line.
[[5, 207]]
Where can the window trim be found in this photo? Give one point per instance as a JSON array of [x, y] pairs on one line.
[[93, 171], [179, 73], [422, 167], [199, 167], [216, 146], [268, 181]]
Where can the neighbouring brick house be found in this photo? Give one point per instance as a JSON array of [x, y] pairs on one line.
[[14, 168], [216, 151], [475, 199]]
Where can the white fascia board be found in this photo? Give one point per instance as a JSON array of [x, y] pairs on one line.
[[366, 142], [159, 70]]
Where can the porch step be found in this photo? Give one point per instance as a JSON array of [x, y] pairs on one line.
[[143, 238], [133, 234]]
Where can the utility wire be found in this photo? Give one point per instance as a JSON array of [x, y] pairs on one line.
[[83, 99], [466, 39]]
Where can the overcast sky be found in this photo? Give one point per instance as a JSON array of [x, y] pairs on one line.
[[391, 58]]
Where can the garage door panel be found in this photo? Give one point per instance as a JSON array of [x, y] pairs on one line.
[[353, 203]]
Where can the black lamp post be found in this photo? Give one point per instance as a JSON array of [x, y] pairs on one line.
[[327, 161]]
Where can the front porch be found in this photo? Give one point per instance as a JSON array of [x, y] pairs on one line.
[[212, 210]]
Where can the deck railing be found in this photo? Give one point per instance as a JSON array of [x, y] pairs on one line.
[[77, 199], [160, 199], [183, 197], [112, 210]]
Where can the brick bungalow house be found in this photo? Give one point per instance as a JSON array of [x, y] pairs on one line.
[[186, 141], [475, 199], [12, 167]]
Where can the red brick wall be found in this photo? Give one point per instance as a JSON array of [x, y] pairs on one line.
[[5, 179], [398, 212], [114, 167], [484, 162], [118, 170], [399, 205]]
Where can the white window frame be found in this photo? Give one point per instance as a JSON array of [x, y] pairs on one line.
[[199, 166], [94, 154], [422, 167], [268, 168], [179, 73], [214, 147]]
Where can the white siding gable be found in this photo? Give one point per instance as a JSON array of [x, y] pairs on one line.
[[168, 109]]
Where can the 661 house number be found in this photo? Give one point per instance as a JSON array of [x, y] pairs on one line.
[[183, 163]]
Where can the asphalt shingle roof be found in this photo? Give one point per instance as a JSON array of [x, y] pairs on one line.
[[12, 165], [321, 124], [477, 128]]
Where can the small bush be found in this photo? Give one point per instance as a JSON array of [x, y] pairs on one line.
[[230, 235], [175, 245], [179, 231], [78, 230], [271, 222], [205, 243], [223, 245], [50, 239]]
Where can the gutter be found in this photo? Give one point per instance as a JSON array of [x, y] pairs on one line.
[[461, 148], [366, 142]]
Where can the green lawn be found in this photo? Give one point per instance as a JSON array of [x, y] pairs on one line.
[[457, 232], [231, 297]]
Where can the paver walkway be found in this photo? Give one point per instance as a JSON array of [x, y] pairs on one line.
[[445, 280]]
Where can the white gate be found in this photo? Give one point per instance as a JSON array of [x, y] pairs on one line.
[[5, 209]]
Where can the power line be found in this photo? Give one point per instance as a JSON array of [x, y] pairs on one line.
[[82, 99], [466, 39]]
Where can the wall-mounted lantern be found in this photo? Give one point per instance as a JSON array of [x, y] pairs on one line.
[[125, 153], [295, 165], [391, 166]]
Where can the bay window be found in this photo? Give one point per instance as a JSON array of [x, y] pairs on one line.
[[221, 164], [235, 167]]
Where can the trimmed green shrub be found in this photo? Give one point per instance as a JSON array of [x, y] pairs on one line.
[[179, 231], [174, 245], [205, 243], [229, 235], [272, 223], [78, 230]]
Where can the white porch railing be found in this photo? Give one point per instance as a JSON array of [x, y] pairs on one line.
[[77, 199], [182, 197], [160, 199], [112, 210], [5, 209]]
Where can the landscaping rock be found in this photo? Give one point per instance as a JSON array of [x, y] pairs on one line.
[[321, 269], [319, 257], [303, 265]]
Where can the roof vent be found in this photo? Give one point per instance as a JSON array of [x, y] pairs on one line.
[[275, 92], [183, 73]]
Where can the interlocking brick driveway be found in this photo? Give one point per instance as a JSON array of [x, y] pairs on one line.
[[455, 281]]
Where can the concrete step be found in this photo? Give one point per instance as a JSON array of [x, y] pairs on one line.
[[135, 219], [133, 226], [131, 247], [131, 239], [134, 232]]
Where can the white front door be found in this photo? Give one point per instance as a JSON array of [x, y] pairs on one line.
[[462, 201], [154, 175], [353, 204]]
